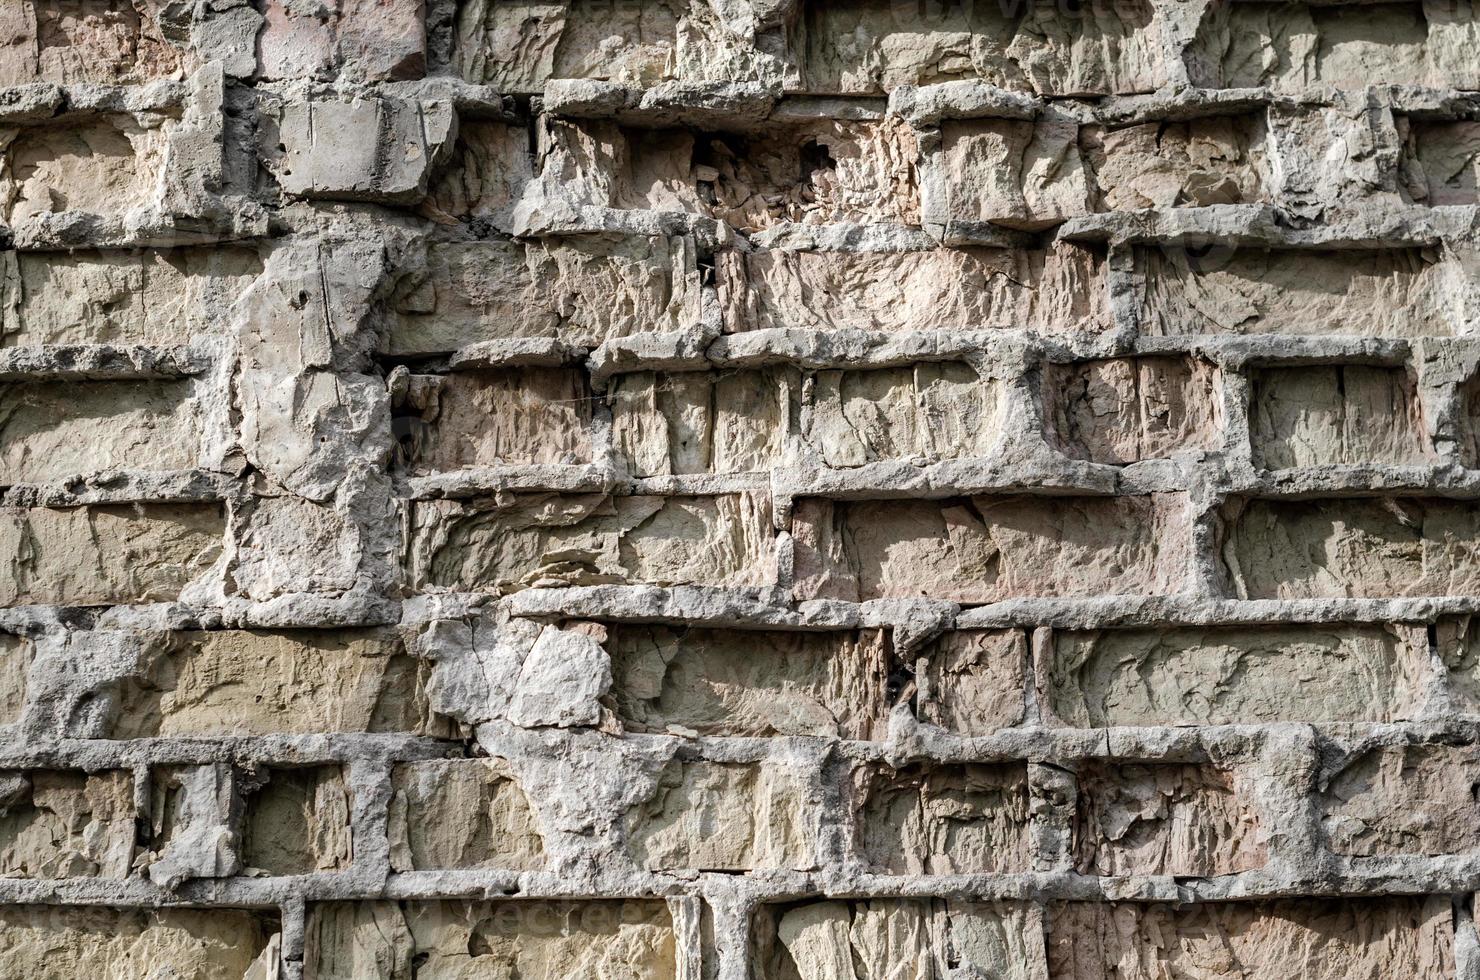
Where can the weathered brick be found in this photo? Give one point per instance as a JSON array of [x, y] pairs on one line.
[[1324, 939], [915, 937], [1345, 413], [807, 171], [509, 45], [943, 819], [102, 165], [1232, 675], [1404, 799], [1095, 48], [1362, 547], [335, 149], [667, 423], [1294, 46], [1216, 289], [725, 816], [974, 682], [89, 41], [55, 942], [749, 682], [624, 938], [1441, 161], [50, 431], [512, 416], [935, 410], [519, 46], [151, 296], [1196, 163], [1019, 173], [373, 40], [1167, 819], [484, 174], [89, 556], [462, 813], [1126, 410], [1458, 644], [579, 290], [984, 549], [66, 824], [541, 540], [938, 289], [16, 653], [298, 821], [239, 682]]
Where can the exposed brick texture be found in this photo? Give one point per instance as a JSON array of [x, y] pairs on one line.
[[739, 489]]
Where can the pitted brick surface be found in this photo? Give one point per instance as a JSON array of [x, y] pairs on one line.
[[739, 489]]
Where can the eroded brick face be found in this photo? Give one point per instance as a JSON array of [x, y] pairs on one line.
[[739, 489]]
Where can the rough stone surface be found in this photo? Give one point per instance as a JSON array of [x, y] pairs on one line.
[[739, 489]]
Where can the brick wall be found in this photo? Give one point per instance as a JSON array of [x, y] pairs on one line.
[[739, 489]]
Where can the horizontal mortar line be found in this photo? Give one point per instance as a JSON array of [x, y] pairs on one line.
[[699, 605], [762, 886], [1167, 742], [996, 474], [31, 749], [750, 609]]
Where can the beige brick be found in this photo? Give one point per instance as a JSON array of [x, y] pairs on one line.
[[807, 171], [62, 942], [725, 816], [50, 430], [935, 410], [16, 653], [916, 938], [624, 939], [103, 165], [582, 290], [1126, 410], [974, 682], [1321, 939], [1405, 799], [749, 682], [510, 46], [239, 682], [66, 824], [298, 821], [1292, 47], [106, 554], [462, 813], [985, 549], [488, 169], [1235, 675], [1196, 163], [869, 47], [88, 41], [1364, 548], [150, 296], [1469, 434], [513, 416], [1217, 289], [1458, 645], [374, 39], [544, 540], [1441, 162], [1143, 819], [667, 423], [1347, 413], [1019, 173], [943, 819], [938, 289]]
